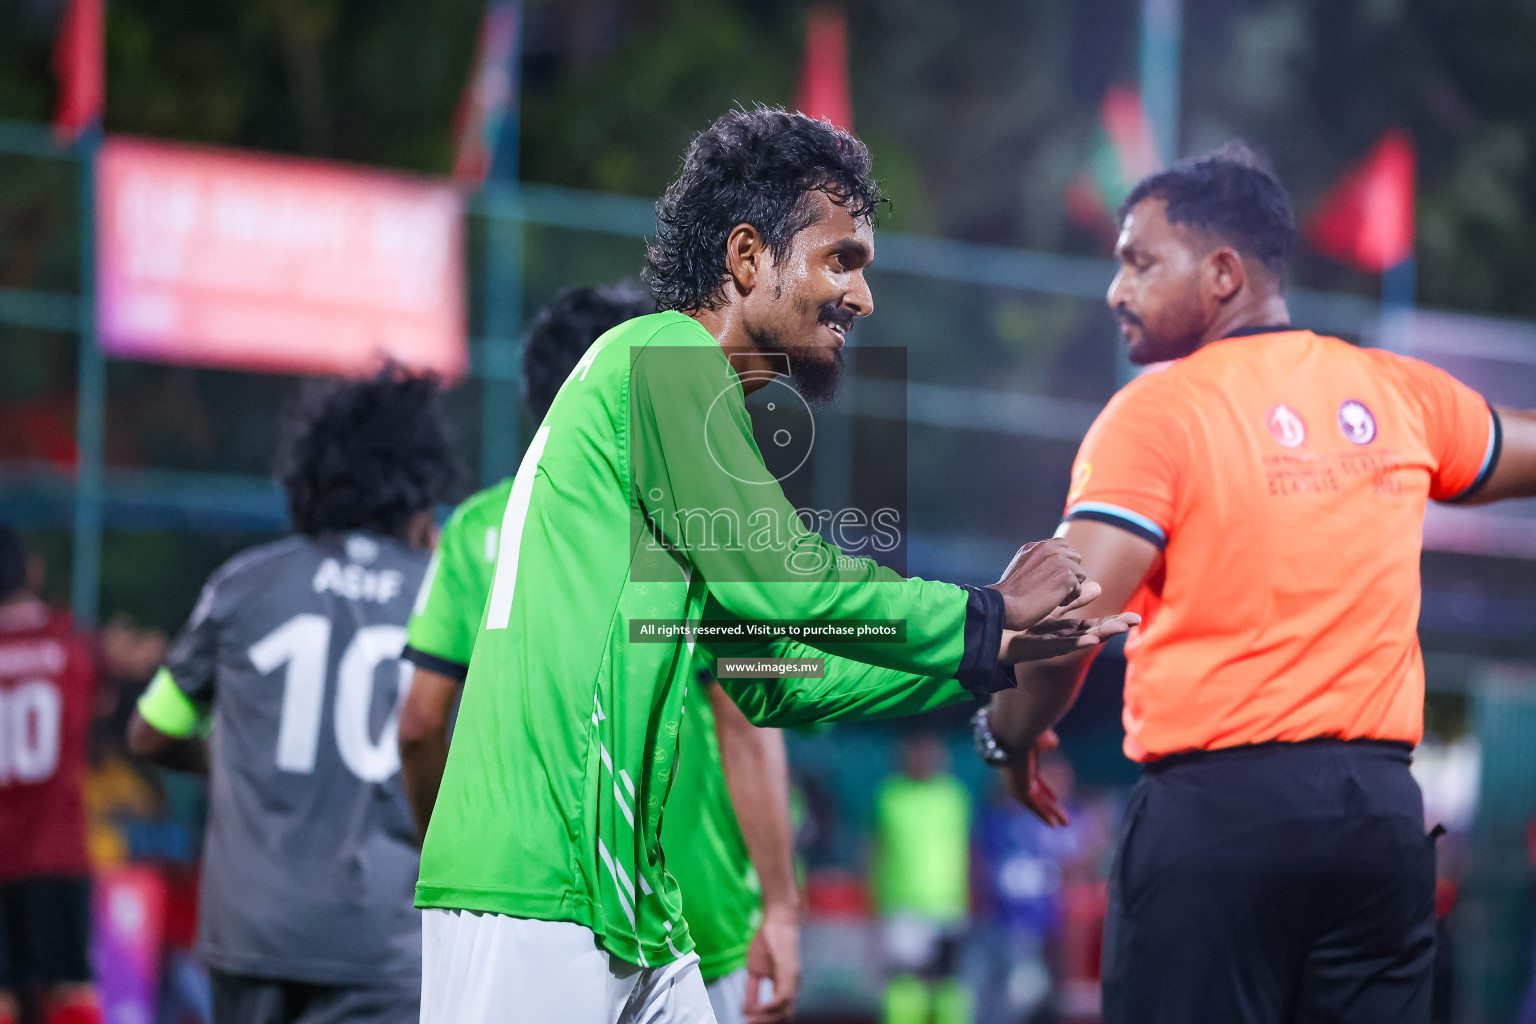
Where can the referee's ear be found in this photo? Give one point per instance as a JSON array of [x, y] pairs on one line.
[[1225, 274]]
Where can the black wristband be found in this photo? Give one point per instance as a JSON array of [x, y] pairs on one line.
[[980, 671]]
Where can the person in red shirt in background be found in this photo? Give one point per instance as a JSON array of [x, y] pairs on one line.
[[47, 692]]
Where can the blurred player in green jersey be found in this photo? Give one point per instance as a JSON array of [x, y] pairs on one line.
[[728, 839], [542, 869], [290, 661]]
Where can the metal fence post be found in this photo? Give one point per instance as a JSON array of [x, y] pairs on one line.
[[1161, 31], [501, 351], [1398, 287], [501, 380], [90, 426]]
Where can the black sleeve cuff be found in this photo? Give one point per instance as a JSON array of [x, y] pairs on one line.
[[1495, 449], [442, 666], [980, 671], [1133, 528]]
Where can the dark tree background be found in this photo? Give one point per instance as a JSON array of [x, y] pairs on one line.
[[980, 113]]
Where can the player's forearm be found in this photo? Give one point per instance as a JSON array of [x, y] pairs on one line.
[[757, 775], [423, 735], [937, 618], [179, 755], [422, 760], [847, 691], [877, 679], [1045, 692]]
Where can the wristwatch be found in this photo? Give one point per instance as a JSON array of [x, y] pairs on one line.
[[987, 747]]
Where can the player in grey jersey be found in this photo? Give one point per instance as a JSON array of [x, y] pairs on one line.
[[289, 665]]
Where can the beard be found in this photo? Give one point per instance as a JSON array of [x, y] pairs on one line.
[[1159, 344], [816, 371]]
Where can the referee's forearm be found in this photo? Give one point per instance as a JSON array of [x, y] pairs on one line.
[[1045, 692]]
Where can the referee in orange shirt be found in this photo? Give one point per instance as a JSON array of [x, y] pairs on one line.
[[1260, 502]]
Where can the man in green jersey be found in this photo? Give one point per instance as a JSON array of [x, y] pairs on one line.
[[541, 874], [737, 880]]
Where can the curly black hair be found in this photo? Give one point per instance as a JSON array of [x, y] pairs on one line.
[[365, 455], [566, 328], [1230, 194], [755, 167]]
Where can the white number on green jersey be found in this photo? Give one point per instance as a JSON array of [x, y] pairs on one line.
[[303, 643], [504, 584]]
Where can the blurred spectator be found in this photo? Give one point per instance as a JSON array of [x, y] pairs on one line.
[[1020, 867], [814, 815], [119, 793], [47, 694], [922, 863], [1448, 773], [1528, 1004]]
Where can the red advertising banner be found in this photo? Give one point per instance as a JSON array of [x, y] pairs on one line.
[[218, 258]]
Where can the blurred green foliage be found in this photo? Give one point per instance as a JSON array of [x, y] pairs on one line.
[[980, 113]]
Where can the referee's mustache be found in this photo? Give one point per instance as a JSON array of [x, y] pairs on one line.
[[1127, 318]]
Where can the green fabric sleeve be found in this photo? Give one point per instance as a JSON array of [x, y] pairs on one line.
[[170, 711], [850, 691], [703, 488], [448, 610]]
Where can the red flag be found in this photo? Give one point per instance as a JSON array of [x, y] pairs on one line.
[[77, 60], [824, 77], [489, 95], [1122, 155], [1366, 220]]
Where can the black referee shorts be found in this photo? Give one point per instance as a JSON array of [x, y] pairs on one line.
[[1274, 884], [45, 932]]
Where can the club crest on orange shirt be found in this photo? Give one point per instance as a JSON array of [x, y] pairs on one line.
[[1356, 422], [1080, 474], [1286, 426]]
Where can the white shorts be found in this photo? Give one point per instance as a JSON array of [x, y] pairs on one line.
[[491, 969], [728, 997]]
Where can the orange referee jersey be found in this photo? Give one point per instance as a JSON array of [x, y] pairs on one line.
[[1285, 476]]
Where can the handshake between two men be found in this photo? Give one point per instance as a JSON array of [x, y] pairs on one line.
[[1041, 588]]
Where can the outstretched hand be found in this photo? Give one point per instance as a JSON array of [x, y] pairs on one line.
[[1059, 634], [1043, 577], [1022, 778]]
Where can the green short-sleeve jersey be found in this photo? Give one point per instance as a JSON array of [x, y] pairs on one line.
[[704, 847], [451, 603], [568, 732]]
